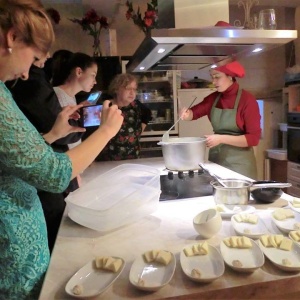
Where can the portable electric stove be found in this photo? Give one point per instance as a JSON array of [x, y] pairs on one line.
[[185, 184]]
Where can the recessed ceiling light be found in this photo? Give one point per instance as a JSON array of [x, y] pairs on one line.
[[161, 50], [257, 50], [142, 68]]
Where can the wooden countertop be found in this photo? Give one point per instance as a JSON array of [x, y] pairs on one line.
[[169, 228]]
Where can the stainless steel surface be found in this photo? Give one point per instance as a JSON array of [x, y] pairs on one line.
[[183, 154], [165, 136], [212, 174], [199, 48], [237, 192]]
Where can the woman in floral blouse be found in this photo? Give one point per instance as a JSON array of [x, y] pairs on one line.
[[126, 144]]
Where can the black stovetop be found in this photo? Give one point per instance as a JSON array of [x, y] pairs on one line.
[[181, 185]]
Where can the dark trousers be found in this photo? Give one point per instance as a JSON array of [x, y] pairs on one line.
[[53, 207]]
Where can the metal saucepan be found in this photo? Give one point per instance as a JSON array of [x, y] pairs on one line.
[[183, 154], [238, 191]]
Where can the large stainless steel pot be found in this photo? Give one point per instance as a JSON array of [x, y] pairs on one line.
[[183, 154], [237, 191]]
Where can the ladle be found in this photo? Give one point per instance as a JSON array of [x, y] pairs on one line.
[[165, 137], [212, 175]]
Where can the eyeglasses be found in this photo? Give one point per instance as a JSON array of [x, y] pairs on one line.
[[129, 88]]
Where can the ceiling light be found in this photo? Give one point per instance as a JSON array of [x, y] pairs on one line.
[[142, 68], [161, 50], [257, 50]]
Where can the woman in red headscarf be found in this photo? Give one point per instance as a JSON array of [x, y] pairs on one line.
[[235, 118]]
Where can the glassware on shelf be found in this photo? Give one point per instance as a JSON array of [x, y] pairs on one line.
[[267, 19]]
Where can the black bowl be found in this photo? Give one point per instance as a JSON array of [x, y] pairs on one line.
[[266, 195]]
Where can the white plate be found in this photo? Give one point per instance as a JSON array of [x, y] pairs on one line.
[[276, 256], [153, 275], [288, 224], [290, 204], [253, 231], [230, 210], [251, 258], [93, 281], [211, 266]]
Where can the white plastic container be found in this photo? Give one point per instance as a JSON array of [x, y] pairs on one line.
[[116, 198]]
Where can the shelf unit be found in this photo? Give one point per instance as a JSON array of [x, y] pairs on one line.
[[158, 91]]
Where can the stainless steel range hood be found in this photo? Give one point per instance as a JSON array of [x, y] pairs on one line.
[[199, 48]]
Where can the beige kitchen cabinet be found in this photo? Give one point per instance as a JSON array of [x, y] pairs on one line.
[[293, 174], [291, 97]]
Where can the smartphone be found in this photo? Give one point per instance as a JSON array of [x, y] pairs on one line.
[[90, 115], [93, 97]]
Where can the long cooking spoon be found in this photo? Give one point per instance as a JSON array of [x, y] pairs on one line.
[[165, 137], [212, 175]]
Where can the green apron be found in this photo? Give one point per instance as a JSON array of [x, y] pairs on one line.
[[239, 159]]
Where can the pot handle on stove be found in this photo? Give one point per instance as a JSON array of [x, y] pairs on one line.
[[270, 185]]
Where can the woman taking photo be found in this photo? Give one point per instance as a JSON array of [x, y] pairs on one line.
[[26, 161], [234, 115]]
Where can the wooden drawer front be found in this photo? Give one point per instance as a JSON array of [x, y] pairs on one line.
[[294, 190], [294, 171]]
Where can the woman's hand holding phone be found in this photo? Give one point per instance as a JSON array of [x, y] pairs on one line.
[[111, 118], [61, 127]]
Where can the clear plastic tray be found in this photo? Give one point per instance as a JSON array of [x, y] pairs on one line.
[[116, 198]]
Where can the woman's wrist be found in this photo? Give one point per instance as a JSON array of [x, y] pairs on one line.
[[49, 137], [106, 132]]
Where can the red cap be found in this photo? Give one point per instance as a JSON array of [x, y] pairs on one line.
[[222, 24], [234, 69]]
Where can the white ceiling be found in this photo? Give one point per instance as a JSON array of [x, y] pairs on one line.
[[285, 3]]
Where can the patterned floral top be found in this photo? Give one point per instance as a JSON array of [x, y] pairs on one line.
[[126, 143], [26, 163]]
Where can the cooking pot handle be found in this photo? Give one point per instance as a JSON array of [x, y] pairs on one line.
[[270, 185]]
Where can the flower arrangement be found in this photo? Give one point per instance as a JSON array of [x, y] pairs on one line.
[[150, 19], [54, 15], [92, 23]]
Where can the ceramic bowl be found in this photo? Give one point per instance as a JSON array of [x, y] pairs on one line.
[[207, 223]]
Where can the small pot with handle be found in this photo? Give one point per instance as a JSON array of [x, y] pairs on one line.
[[237, 191]]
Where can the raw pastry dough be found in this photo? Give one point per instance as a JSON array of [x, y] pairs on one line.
[[159, 256], [276, 241], [246, 218], [282, 214], [196, 273], [237, 263], [241, 242], [108, 263], [286, 262], [196, 249], [77, 289]]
